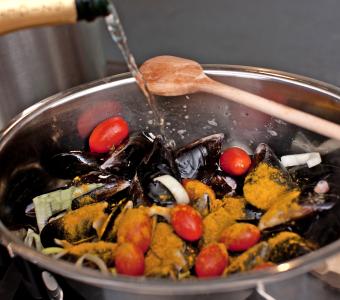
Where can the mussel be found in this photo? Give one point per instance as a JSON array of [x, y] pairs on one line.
[[292, 206], [160, 161], [125, 159], [199, 159], [71, 164], [75, 225], [249, 259], [104, 250], [288, 245], [267, 180], [110, 192]]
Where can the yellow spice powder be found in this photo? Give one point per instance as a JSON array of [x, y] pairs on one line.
[[264, 185]]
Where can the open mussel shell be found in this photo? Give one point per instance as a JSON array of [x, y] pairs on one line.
[[199, 159], [125, 159], [307, 178], [110, 192], [267, 180], [296, 206], [74, 226], [264, 153], [160, 161], [109, 230], [288, 245], [71, 164]]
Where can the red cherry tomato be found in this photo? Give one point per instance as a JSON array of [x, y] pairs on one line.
[[264, 265], [240, 236], [129, 260], [235, 161], [107, 134], [187, 222], [211, 261]]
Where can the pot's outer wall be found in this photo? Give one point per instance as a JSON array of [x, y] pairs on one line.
[[64, 122]]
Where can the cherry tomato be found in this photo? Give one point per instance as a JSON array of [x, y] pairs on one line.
[[187, 222], [129, 260], [211, 261], [109, 133], [240, 236], [235, 161], [135, 227], [264, 265]]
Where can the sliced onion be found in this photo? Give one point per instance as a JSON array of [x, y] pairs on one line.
[[311, 159], [175, 188], [94, 259]]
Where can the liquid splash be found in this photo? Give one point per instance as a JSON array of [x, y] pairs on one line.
[[117, 33]]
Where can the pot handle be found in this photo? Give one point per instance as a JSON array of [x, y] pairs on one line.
[[262, 293], [19, 14]]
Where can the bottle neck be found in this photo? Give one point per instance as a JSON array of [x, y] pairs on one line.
[[91, 9]]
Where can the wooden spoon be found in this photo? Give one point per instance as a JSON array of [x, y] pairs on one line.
[[175, 76]]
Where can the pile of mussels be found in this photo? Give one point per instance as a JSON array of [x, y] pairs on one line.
[[118, 213]]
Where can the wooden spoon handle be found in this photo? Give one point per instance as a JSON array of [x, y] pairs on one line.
[[272, 108]]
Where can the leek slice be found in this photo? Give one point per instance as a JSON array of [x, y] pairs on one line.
[[47, 205]]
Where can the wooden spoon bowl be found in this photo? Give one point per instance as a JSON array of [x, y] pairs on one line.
[[175, 76]]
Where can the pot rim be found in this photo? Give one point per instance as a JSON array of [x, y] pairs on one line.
[[153, 286]]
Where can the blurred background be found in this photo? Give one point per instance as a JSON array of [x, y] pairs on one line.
[[301, 37]]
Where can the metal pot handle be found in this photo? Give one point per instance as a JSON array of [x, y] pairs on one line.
[[261, 292]]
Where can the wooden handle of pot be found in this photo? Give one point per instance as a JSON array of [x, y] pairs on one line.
[[271, 108], [19, 14]]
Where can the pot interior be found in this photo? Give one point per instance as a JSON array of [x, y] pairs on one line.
[[63, 122]]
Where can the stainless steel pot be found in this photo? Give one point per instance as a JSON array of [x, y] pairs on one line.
[[63, 122]]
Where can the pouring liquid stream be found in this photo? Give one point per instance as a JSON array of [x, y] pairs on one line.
[[118, 35]]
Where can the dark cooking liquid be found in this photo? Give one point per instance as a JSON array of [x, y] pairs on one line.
[[118, 35]]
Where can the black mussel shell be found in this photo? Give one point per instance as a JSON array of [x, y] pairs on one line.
[[56, 230], [264, 153], [126, 158], [307, 178], [221, 184], [200, 158], [96, 177], [71, 164], [160, 161], [111, 192], [136, 193], [289, 248], [75, 225], [109, 234]]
